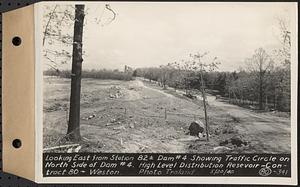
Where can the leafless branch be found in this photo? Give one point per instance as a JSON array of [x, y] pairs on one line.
[[107, 6], [48, 22]]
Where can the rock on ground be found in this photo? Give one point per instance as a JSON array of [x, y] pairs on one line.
[[196, 127]]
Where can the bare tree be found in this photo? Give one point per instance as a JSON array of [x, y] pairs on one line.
[[185, 69], [283, 56], [285, 39], [201, 67], [64, 17], [57, 19], [259, 64], [197, 65], [164, 74]]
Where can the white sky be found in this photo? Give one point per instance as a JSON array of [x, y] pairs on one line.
[[152, 34]]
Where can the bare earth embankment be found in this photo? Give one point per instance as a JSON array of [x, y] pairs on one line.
[[129, 116]]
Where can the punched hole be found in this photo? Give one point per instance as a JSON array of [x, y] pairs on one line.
[[16, 41], [17, 143]]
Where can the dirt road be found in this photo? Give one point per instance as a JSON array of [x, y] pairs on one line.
[[138, 116], [271, 132]]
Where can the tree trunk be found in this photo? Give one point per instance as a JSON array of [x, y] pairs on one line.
[[204, 105], [275, 99], [185, 86], [260, 99], [74, 115]]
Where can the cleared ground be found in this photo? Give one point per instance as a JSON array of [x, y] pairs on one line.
[[138, 116]]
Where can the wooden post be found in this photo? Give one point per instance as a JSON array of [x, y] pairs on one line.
[[275, 101], [74, 115], [165, 113]]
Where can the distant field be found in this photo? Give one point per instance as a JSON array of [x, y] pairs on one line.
[[137, 116]]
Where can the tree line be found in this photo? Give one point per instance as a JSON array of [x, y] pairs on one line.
[[262, 84], [95, 74]]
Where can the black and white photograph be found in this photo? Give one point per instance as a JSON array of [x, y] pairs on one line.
[[167, 77]]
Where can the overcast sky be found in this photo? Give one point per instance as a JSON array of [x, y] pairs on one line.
[[152, 34]]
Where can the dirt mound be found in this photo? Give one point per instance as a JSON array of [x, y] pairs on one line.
[[236, 140], [196, 127], [136, 85], [115, 92], [224, 129]]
